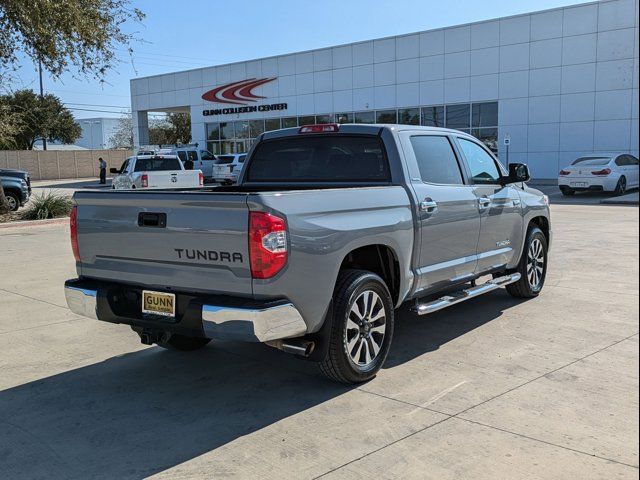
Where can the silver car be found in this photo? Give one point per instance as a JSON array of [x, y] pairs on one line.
[[228, 167]]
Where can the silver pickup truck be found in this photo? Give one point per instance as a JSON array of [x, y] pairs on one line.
[[328, 231]]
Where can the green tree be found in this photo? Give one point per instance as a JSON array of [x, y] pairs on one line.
[[175, 128], [123, 135], [41, 117], [83, 34]]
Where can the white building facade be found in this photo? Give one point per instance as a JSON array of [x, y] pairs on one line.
[[556, 84]]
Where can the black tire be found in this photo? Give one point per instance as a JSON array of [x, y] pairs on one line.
[[525, 288], [13, 200], [183, 343], [567, 192], [353, 286], [621, 187]]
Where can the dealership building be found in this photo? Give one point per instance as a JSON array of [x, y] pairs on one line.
[[541, 88]]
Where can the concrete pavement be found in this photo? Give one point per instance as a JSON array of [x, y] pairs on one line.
[[493, 388]]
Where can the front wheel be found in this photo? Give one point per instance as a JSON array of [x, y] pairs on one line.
[[362, 328], [12, 200], [532, 266]]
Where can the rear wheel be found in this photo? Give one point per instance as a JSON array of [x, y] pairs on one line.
[[532, 266], [621, 187], [182, 342], [362, 327]]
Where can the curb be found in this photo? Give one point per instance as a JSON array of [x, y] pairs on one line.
[[34, 223]]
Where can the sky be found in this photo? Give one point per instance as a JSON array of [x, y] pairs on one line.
[[183, 35]]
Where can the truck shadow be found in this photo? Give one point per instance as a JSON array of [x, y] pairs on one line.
[[141, 413]]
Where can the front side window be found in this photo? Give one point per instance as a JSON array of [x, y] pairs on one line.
[[484, 170], [206, 155], [192, 155], [436, 161]]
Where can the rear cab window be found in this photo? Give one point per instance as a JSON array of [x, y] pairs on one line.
[[157, 164], [321, 158]]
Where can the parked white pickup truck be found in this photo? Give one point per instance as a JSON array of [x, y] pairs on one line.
[[155, 171]]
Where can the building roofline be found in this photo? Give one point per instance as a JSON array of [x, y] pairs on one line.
[[582, 4]]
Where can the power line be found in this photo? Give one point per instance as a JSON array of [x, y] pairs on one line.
[[94, 105], [142, 52]]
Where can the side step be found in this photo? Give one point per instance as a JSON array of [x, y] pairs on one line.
[[466, 294]]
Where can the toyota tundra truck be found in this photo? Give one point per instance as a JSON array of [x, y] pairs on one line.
[[330, 229]]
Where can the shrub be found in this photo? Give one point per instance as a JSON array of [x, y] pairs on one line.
[[48, 205]]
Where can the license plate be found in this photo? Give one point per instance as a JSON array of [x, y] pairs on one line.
[[579, 184], [159, 303]]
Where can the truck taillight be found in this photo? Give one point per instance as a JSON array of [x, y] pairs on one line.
[[320, 128], [144, 180], [73, 227], [267, 244], [200, 178], [602, 173]]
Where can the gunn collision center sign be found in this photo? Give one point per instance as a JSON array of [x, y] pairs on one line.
[[240, 95]]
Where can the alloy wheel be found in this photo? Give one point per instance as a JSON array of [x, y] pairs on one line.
[[535, 264], [365, 329], [11, 201]]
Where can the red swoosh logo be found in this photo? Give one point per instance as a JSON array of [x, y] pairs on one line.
[[237, 93]]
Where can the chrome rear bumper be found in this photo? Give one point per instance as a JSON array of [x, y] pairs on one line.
[[255, 323]]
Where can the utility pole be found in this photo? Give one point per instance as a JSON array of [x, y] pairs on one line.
[[44, 139]]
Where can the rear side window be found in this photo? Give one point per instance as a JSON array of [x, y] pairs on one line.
[[436, 160], [484, 170], [241, 158], [182, 155], [157, 164], [321, 158], [192, 155], [206, 155]]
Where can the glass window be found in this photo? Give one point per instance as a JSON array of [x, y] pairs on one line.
[[307, 120], [226, 131], [633, 161], [157, 164], [484, 114], [324, 118], [592, 161], [182, 155], [213, 147], [386, 116], [322, 158], [483, 168], [206, 155], [344, 118], [409, 116], [256, 127], [433, 116], [271, 124], [364, 117], [192, 155], [488, 136], [289, 122], [213, 131], [226, 147], [436, 160], [458, 116], [242, 129]]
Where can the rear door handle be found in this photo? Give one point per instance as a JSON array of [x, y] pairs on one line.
[[428, 205]]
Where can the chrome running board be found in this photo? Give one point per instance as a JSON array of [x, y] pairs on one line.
[[464, 295]]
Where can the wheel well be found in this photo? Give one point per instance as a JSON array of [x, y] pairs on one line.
[[542, 223], [379, 259]]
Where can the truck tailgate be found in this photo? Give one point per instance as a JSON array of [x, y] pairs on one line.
[[192, 241]]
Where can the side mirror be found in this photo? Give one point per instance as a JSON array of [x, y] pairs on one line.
[[518, 173], [114, 170]]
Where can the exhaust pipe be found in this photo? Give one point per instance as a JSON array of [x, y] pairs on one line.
[[294, 346]]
